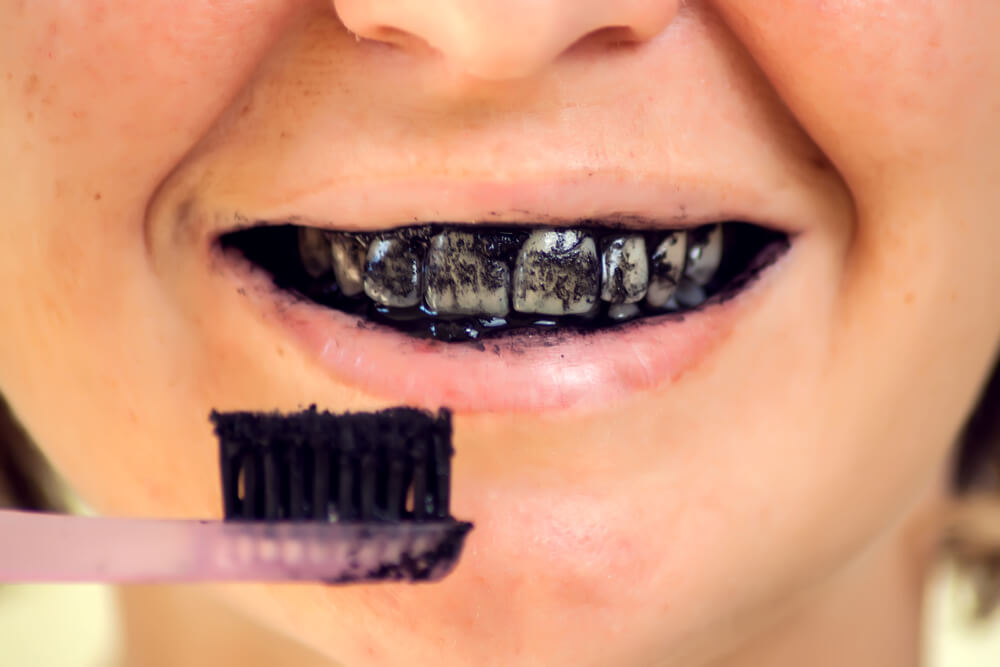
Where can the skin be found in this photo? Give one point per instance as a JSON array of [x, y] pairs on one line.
[[770, 505]]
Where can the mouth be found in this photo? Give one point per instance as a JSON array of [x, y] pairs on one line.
[[503, 317], [452, 283]]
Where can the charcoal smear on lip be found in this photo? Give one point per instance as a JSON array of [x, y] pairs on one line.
[[386, 476], [460, 283]]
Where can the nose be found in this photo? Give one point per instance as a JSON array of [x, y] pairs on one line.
[[504, 39]]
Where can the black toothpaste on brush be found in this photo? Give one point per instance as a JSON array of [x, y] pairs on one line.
[[385, 476]]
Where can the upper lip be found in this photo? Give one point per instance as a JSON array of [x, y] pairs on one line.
[[558, 200]]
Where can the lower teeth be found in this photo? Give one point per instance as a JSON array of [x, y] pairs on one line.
[[455, 283]]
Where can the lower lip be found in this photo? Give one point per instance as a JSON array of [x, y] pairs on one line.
[[545, 370]]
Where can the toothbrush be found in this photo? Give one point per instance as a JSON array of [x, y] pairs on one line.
[[310, 496]]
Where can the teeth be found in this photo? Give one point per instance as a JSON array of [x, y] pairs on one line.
[[690, 294], [704, 254], [349, 255], [392, 273], [462, 280], [624, 270], [667, 267], [556, 273], [314, 250], [622, 311], [488, 274]]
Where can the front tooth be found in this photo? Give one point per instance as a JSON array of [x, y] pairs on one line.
[[314, 250], [704, 254], [667, 265], [462, 280], [624, 270], [556, 273], [349, 255], [392, 272]]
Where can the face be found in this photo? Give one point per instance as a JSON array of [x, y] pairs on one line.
[[620, 480]]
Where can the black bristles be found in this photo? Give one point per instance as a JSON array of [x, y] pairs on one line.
[[250, 486], [395, 494], [419, 482], [296, 483], [321, 466], [272, 485], [321, 483], [345, 488], [229, 464], [442, 468], [368, 486]]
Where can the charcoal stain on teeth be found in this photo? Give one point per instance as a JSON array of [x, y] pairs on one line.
[[624, 270], [666, 267], [394, 272], [704, 254], [556, 273], [349, 255], [463, 279], [458, 283]]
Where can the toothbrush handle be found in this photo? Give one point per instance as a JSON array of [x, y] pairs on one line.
[[46, 547]]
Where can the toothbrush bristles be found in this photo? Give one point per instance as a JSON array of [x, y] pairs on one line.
[[249, 484], [321, 484], [322, 467], [296, 483], [272, 488]]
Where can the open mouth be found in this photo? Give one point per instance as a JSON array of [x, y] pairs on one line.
[[506, 315], [458, 283]]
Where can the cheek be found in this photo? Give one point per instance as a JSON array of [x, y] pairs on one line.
[[78, 177], [162, 73], [884, 86]]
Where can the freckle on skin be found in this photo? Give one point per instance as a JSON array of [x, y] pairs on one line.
[[31, 85], [97, 196], [908, 298]]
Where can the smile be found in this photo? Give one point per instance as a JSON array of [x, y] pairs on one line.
[[456, 283], [498, 316]]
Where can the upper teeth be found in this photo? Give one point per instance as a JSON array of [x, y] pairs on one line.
[[393, 273], [349, 256], [624, 270], [314, 251], [462, 280], [704, 254], [556, 274], [546, 272], [668, 265]]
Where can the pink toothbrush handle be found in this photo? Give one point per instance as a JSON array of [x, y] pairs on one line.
[[42, 547]]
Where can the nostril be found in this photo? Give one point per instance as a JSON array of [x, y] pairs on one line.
[[365, 23], [395, 37], [391, 37], [604, 39], [506, 39]]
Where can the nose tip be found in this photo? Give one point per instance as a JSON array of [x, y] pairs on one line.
[[503, 39]]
